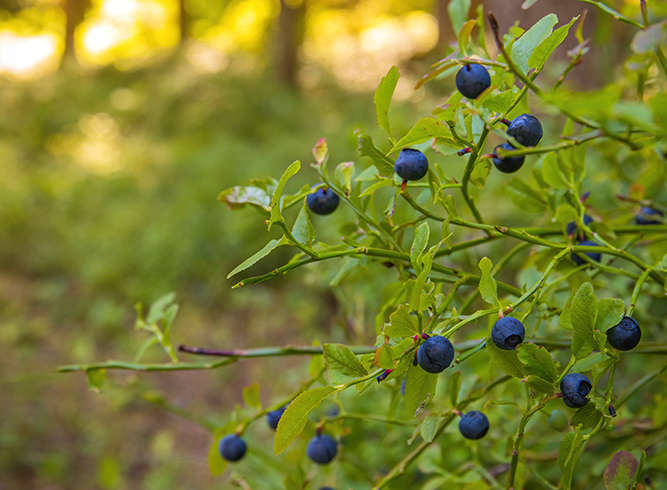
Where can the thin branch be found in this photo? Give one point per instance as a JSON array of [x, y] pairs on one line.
[[289, 350]]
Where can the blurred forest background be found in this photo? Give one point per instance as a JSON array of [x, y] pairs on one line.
[[121, 122]]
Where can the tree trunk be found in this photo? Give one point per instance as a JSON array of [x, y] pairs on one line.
[[75, 11], [289, 39]]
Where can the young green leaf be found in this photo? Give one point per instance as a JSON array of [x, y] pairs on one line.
[[610, 312], [340, 359], [256, 257], [425, 129], [506, 360], [278, 192], [216, 464], [419, 387], [303, 229], [537, 361], [401, 323], [587, 417], [429, 427], [367, 148], [488, 288], [582, 316], [419, 243], [464, 35], [251, 396], [541, 54], [526, 44], [458, 13], [383, 357], [96, 378], [344, 173], [295, 417], [382, 98]]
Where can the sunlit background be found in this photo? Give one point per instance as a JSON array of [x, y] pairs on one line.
[[121, 122]]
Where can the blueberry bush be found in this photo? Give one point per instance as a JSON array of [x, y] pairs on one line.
[[533, 366]]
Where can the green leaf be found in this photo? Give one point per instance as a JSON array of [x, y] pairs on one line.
[[383, 357], [240, 196], [342, 361], [570, 449], [96, 378], [464, 35], [526, 197], [610, 313], [251, 396], [425, 129], [582, 316], [587, 363], [278, 192], [647, 40], [367, 148], [587, 417], [344, 173], [454, 387], [419, 243], [552, 173], [620, 471], [458, 13], [303, 229], [541, 54], [419, 387], [256, 257], [506, 360], [382, 98], [158, 307], [401, 323], [526, 44], [537, 361], [216, 464], [488, 288], [527, 4], [295, 417], [429, 427], [540, 384], [480, 172], [566, 213]]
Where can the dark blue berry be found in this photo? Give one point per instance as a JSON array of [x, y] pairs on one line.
[[435, 354], [625, 335], [571, 227], [472, 79], [575, 388], [507, 333], [473, 425], [323, 201], [648, 216], [322, 449], [508, 165], [232, 447], [592, 255], [326, 488], [411, 164], [273, 417], [526, 129]]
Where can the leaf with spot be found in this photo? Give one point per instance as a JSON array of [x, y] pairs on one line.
[[619, 472]]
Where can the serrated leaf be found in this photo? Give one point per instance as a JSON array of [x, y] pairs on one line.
[[251, 396], [295, 417], [383, 357], [425, 129], [458, 13], [216, 464], [506, 360], [610, 313], [303, 229], [367, 148], [429, 427], [528, 42], [582, 315], [401, 324], [587, 416], [96, 378], [240, 196], [620, 471], [537, 361], [278, 192], [342, 361], [541, 54], [382, 98], [257, 256], [488, 288], [419, 243], [419, 387]]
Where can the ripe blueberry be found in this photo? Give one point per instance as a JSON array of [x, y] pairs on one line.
[[435, 354], [571, 227], [575, 387], [508, 165], [232, 447], [473, 425], [526, 129], [273, 417], [507, 333], [648, 216], [411, 164], [472, 79], [323, 201], [625, 335], [558, 420], [322, 449], [592, 255], [403, 388]]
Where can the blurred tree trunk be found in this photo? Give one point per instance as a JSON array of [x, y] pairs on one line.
[[183, 23], [289, 39], [75, 11]]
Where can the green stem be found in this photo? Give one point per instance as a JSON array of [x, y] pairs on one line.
[[616, 15], [470, 164], [635, 293]]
